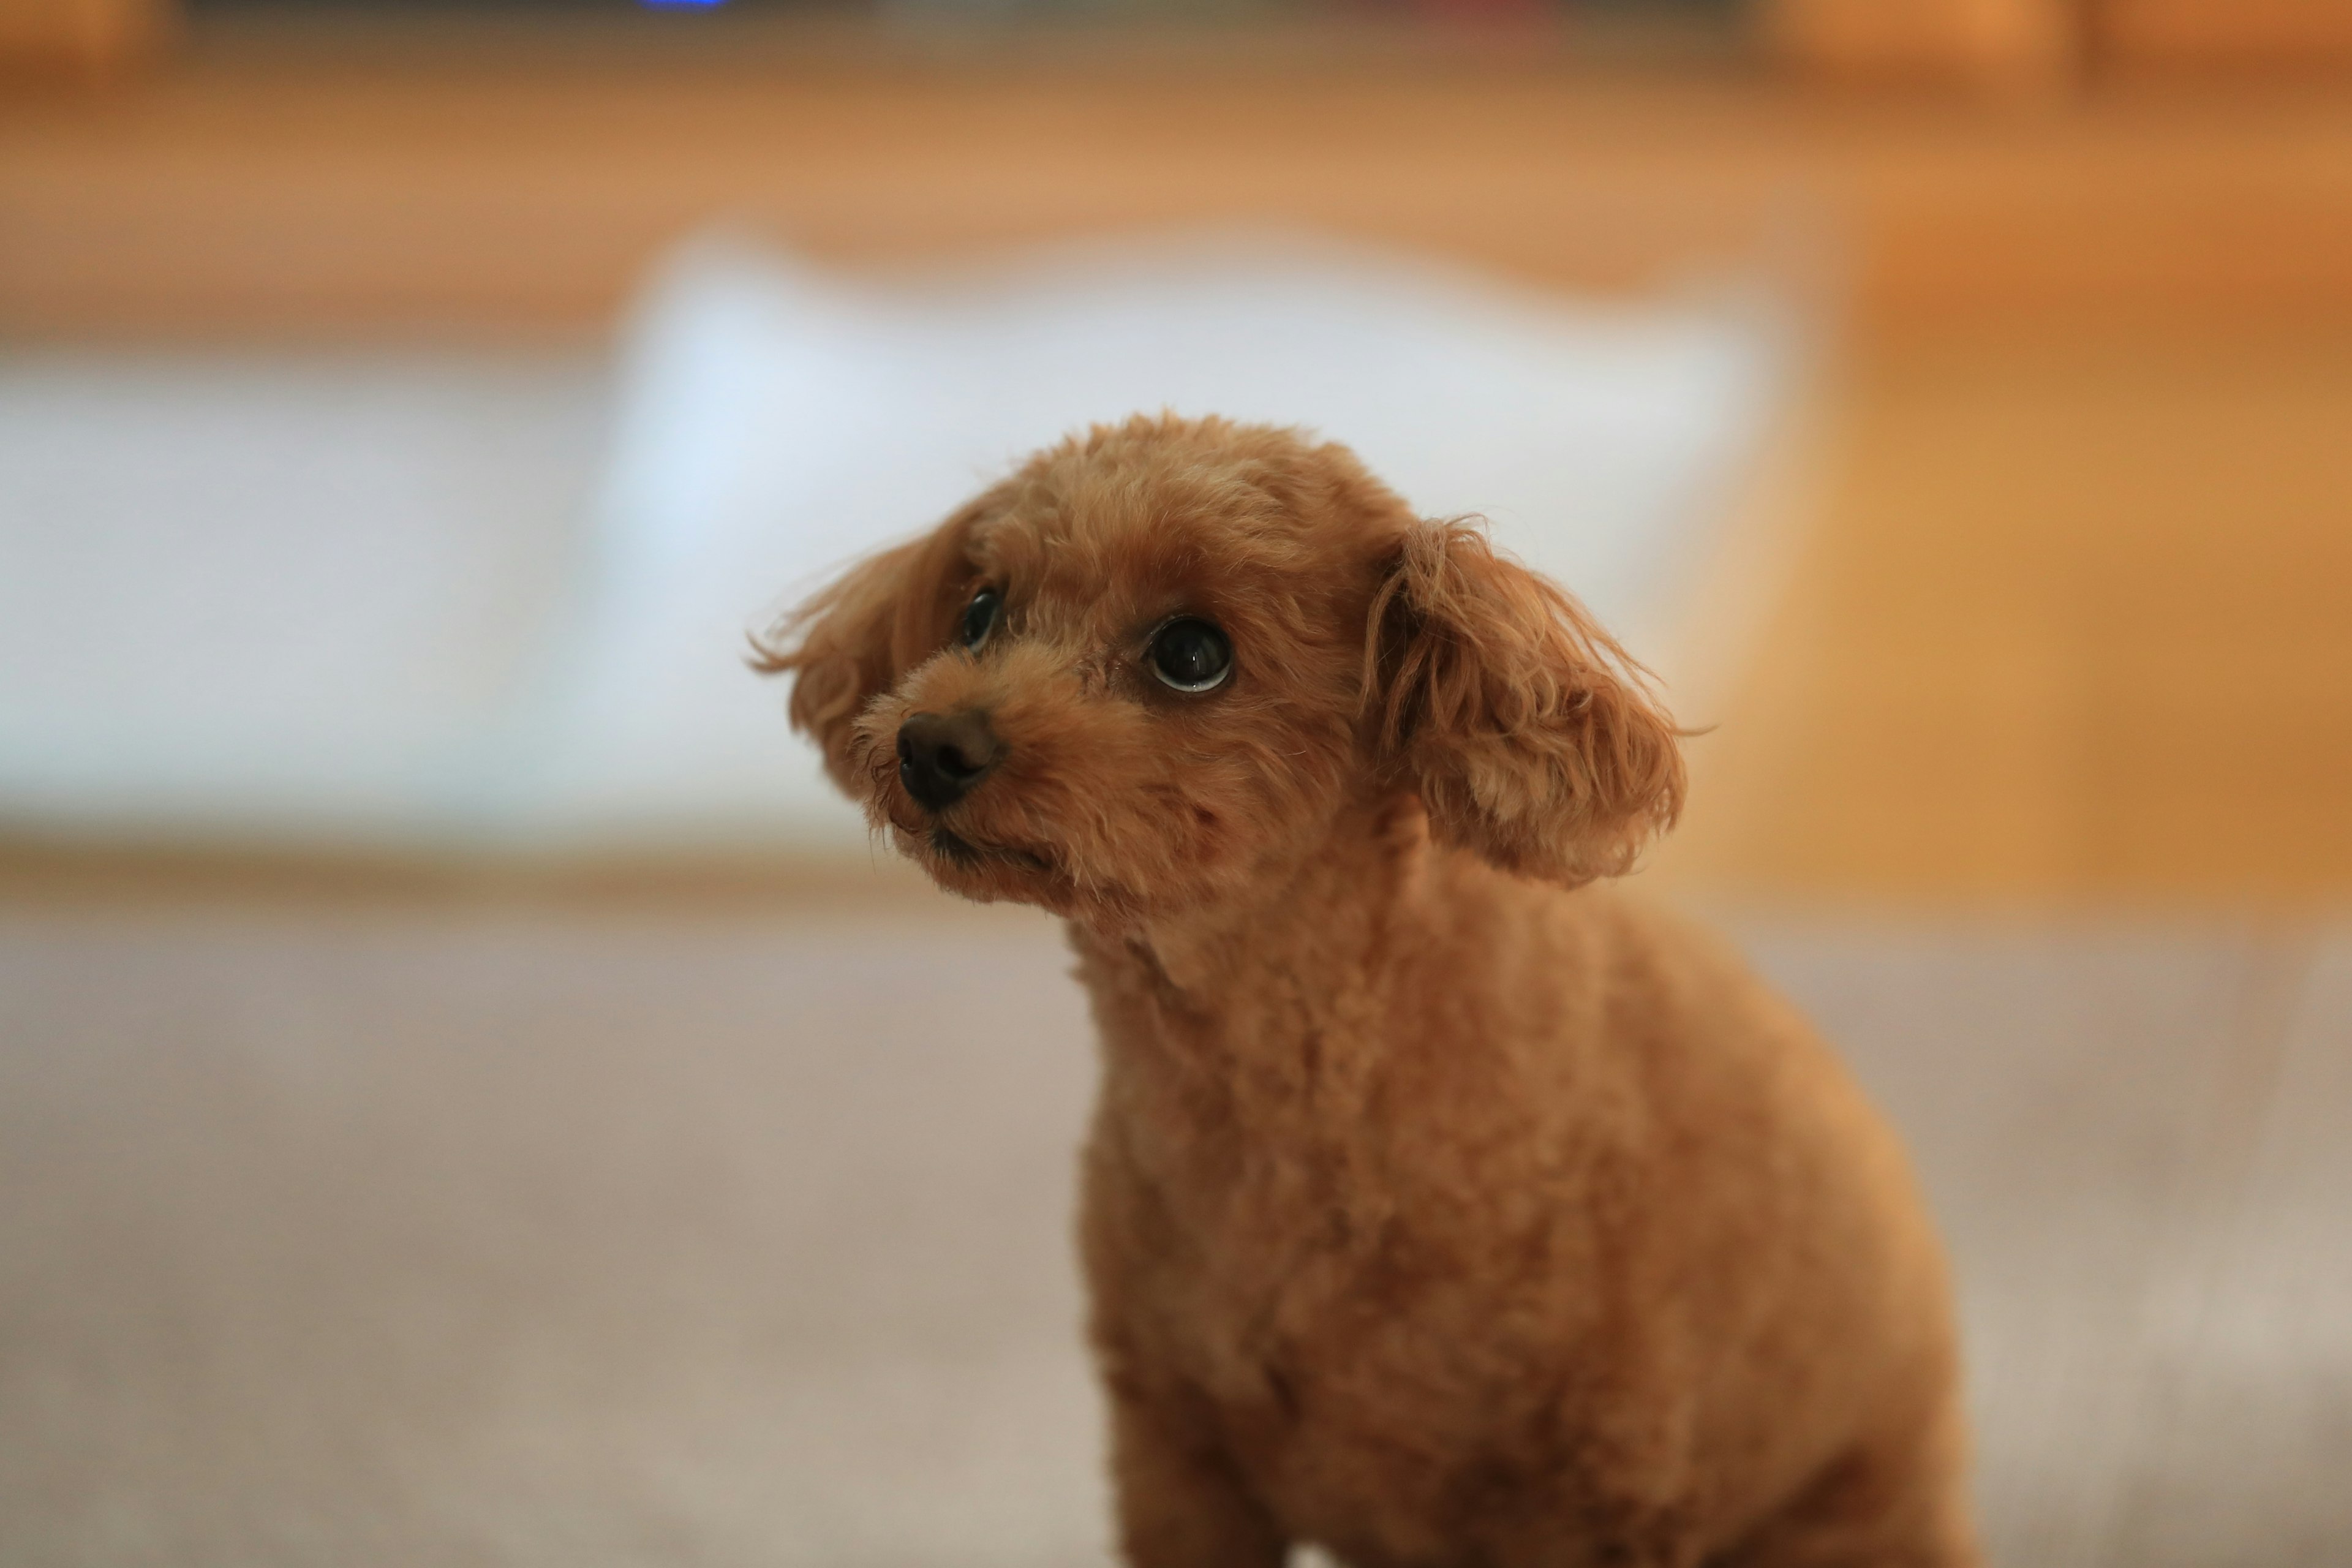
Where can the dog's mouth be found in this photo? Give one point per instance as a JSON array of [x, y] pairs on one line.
[[922, 834], [956, 849]]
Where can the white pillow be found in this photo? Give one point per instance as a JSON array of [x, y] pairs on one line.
[[390, 599], [280, 597], [778, 421]]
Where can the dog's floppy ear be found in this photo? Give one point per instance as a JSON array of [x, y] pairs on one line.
[[1522, 725], [852, 639]]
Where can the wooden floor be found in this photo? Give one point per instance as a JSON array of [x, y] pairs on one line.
[[2075, 627], [261, 187], [379, 1236]]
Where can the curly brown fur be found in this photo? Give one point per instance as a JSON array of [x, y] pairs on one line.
[[1441, 1206]]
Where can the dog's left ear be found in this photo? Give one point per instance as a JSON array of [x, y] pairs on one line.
[[854, 638], [1525, 729]]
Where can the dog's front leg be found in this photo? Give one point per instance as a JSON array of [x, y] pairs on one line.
[[1181, 1502]]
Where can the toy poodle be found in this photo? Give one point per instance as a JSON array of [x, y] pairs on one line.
[[1443, 1206]]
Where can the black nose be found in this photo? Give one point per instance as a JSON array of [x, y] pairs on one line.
[[942, 755]]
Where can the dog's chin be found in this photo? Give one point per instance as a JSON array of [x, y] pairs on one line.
[[977, 869]]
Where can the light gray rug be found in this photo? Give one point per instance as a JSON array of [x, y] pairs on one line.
[[549, 1239]]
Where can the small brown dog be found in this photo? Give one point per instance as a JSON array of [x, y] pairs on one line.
[[1441, 1208]]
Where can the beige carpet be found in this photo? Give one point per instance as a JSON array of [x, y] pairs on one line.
[[541, 1238]]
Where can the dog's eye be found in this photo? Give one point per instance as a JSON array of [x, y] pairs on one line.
[[1191, 656], [979, 617]]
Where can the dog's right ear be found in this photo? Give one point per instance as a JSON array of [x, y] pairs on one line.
[[852, 640], [1530, 736]]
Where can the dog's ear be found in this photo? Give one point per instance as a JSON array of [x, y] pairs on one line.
[[1525, 729], [854, 639]]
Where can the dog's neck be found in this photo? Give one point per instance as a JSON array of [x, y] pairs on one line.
[[1312, 925], [1231, 1031]]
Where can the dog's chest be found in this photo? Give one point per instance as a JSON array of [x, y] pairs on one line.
[[1315, 1296], [1354, 1380], [1316, 1228]]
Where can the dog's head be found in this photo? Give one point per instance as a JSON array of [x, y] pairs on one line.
[[1168, 656]]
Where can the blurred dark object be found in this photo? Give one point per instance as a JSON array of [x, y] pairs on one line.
[[1726, 9], [2014, 44], [1723, 17], [1257, 37]]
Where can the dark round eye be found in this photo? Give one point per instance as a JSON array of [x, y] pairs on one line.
[[979, 617], [1191, 656]]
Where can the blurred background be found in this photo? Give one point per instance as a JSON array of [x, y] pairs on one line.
[[467, 1094]]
